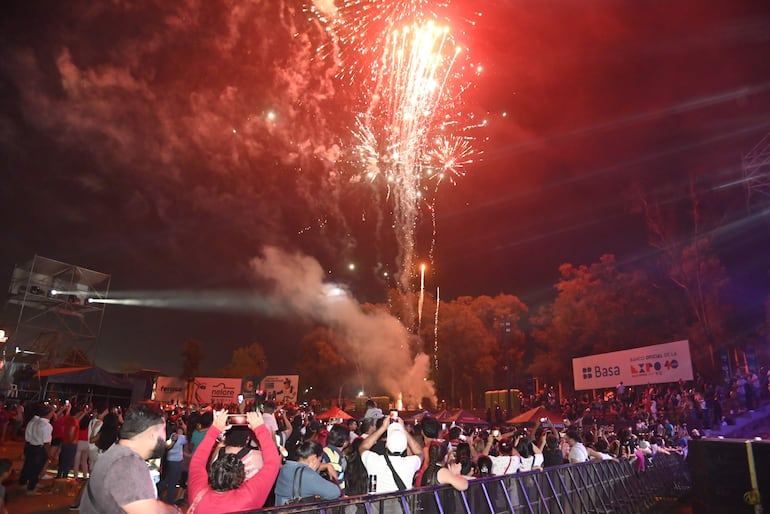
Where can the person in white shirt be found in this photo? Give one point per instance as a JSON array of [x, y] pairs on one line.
[[508, 461], [530, 455], [37, 442], [403, 465], [577, 452], [268, 410]]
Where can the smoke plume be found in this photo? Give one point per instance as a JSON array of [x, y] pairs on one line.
[[376, 339]]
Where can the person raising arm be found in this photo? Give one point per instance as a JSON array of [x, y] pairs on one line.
[[223, 488]]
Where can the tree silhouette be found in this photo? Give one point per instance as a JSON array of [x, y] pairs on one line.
[[192, 356], [599, 309], [247, 361], [323, 366]]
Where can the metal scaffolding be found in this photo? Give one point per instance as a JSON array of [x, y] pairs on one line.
[[52, 299], [756, 172]]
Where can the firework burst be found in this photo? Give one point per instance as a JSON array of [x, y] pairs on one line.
[[411, 130]]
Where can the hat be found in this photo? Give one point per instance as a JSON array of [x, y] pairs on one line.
[[396, 441], [644, 445]]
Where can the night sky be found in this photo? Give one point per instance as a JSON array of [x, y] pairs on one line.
[[136, 139]]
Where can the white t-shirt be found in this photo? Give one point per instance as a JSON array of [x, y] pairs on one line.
[[38, 431], [505, 464], [534, 461], [406, 467], [270, 422], [578, 453]]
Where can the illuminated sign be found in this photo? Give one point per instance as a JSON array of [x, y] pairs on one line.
[[668, 362]]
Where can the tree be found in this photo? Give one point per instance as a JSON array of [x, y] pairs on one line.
[[192, 356], [322, 365], [598, 309], [686, 242], [502, 316], [247, 361], [466, 353]]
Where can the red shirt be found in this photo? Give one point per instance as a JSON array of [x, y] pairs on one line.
[[70, 430], [252, 493], [58, 427]]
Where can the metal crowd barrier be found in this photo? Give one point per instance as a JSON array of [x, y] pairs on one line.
[[593, 487]]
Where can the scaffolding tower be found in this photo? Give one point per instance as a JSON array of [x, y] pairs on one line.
[[54, 311], [756, 173]]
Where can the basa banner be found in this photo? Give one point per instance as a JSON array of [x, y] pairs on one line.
[[171, 389], [216, 390], [660, 363], [280, 388]]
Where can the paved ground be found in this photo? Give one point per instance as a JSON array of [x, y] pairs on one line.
[[55, 495]]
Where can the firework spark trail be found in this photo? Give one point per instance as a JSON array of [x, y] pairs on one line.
[[359, 29], [435, 331], [422, 297], [396, 135], [411, 127]]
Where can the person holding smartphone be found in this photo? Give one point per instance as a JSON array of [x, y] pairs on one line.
[[395, 470], [224, 488], [172, 472]]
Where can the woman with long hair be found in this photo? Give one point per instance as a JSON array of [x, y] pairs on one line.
[[438, 472], [463, 456], [81, 452], [108, 435]]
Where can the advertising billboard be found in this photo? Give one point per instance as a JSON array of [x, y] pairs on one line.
[[660, 363], [171, 389], [280, 388], [207, 390]]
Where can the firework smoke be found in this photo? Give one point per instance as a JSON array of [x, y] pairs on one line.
[[377, 340]]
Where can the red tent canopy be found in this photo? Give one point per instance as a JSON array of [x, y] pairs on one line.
[[334, 412], [463, 417], [533, 417], [418, 417]]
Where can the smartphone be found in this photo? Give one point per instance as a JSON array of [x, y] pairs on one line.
[[66, 402], [237, 419], [495, 433], [543, 420], [393, 415], [240, 398]]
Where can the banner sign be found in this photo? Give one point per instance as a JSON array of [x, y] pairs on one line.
[[280, 388], [216, 390], [171, 389], [660, 363], [249, 387]]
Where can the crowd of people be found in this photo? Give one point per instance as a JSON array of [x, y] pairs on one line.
[[245, 457]]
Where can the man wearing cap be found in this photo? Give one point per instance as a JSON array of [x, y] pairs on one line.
[[37, 442], [395, 470]]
